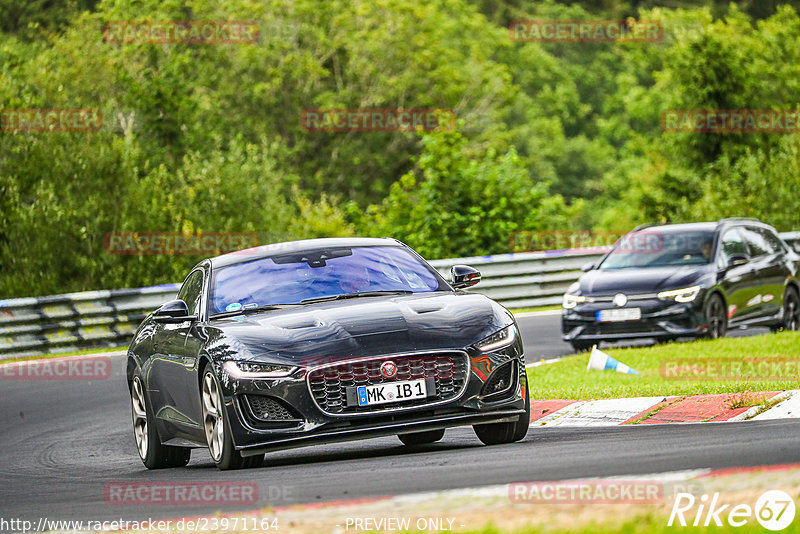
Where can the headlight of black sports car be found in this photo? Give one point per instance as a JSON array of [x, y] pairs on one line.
[[498, 340], [245, 369]]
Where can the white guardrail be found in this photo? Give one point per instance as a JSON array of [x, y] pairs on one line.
[[63, 323]]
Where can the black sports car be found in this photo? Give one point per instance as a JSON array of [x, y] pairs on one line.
[[685, 280], [318, 341]]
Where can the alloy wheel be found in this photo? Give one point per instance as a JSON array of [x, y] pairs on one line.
[[139, 417], [716, 319], [212, 416], [792, 311]]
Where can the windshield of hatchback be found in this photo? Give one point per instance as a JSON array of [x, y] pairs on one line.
[[657, 247], [297, 277]]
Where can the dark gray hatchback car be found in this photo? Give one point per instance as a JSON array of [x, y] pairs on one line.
[[685, 280]]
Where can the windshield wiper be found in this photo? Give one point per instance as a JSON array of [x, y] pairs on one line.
[[357, 295], [241, 311]]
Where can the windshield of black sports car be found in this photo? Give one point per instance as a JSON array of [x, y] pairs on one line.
[[660, 247], [301, 277]]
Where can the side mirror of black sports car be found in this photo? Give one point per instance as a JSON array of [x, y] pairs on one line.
[[173, 312], [738, 259], [464, 276]]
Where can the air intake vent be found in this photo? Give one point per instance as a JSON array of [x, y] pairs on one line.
[[269, 410]]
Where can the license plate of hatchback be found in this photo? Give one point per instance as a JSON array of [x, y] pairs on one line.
[[406, 390], [621, 314]]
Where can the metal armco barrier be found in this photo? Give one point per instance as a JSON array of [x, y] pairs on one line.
[[62, 323], [528, 278]]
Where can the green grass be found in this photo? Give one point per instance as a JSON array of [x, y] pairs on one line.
[[641, 523], [536, 309], [569, 379], [63, 354]]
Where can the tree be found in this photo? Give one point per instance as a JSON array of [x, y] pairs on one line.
[[452, 205]]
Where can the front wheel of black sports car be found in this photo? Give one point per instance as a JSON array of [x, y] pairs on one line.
[[498, 433], [154, 455], [716, 318], [421, 438], [218, 432]]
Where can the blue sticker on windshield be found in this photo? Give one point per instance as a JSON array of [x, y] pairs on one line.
[[251, 305], [233, 307]]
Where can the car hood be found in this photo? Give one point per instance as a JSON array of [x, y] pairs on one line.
[[354, 328], [639, 281]]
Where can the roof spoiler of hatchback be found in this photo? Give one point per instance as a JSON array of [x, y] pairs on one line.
[[751, 219]]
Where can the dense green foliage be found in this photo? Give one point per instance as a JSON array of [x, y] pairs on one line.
[[549, 136]]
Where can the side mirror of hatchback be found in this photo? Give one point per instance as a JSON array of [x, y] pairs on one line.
[[738, 259]]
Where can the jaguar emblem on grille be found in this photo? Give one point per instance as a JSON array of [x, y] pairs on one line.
[[389, 369]]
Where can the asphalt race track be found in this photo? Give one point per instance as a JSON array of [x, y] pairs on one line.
[[541, 336], [64, 440]]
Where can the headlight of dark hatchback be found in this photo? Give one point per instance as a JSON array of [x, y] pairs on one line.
[[681, 295]]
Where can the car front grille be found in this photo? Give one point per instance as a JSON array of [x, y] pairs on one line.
[[448, 372]]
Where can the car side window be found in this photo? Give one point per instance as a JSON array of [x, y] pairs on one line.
[[191, 291], [771, 240], [756, 243], [731, 244]]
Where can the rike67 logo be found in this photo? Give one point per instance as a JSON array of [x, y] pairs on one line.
[[774, 510]]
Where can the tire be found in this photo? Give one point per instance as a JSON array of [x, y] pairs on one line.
[[152, 452], [716, 318], [421, 438], [499, 433], [217, 428], [583, 346], [791, 310]]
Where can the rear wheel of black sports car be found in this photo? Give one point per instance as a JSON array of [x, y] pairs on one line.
[[497, 433], [716, 318], [217, 428], [421, 438], [154, 455]]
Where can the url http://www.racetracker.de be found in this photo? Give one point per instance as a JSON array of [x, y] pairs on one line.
[[200, 524]]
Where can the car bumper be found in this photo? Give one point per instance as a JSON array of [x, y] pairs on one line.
[[388, 427], [658, 320], [311, 424]]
